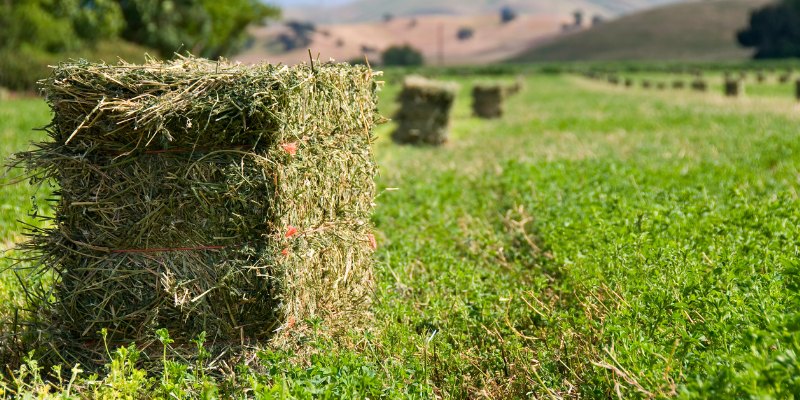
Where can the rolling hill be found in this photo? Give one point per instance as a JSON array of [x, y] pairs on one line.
[[702, 30], [492, 41], [373, 10]]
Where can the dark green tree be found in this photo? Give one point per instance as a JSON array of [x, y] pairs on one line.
[[402, 56], [774, 31], [209, 28]]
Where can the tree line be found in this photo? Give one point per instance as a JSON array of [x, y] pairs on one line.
[[209, 28]]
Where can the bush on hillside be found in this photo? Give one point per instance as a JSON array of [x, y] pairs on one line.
[[402, 56]]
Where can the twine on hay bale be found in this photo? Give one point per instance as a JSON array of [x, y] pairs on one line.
[[424, 114], [734, 88], [204, 196], [487, 100]]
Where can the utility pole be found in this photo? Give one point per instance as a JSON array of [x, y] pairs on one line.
[[441, 44]]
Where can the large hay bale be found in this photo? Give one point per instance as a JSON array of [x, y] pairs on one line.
[[424, 114], [204, 196], [487, 100], [700, 85], [733, 88]]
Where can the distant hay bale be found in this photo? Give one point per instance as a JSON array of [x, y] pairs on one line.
[[628, 82], [613, 79], [761, 77], [647, 84], [734, 88], [785, 77], [797, 89], [516, 87], [487, 100], [424, 115], [699, 85], [678, 84], [205, 196], [661, 85]]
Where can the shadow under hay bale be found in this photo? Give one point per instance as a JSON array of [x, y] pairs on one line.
[[699, 85], [487, 100], [733, 88], [424, 115], [205, 197]]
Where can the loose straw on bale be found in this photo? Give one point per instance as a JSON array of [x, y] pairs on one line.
[[487, 100], [424, 115], [205, 196]]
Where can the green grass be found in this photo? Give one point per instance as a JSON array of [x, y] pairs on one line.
[[692, 31], [594, 242]]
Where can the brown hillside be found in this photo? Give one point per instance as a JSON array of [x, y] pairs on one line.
[[492, 41], [702, 30]]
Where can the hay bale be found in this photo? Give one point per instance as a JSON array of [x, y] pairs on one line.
[[678, 84], [628, 82], [761, 77], [661, 86], [797, 89], [424, 114], [204, 196], [613, 79], [487, 100], [647, 84], [785, 77], [516, 87], [734, 88], [699, 85]]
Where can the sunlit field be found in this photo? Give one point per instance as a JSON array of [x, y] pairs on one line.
[[595, 242]]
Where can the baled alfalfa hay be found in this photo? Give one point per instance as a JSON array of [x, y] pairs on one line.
[[487, 100], [797, 90], [424, 115], [515, 87], [699, 85], [733, 88], [205, 196]]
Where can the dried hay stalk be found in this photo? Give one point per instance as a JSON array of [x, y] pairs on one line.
[[424, 114], [205, 196]]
